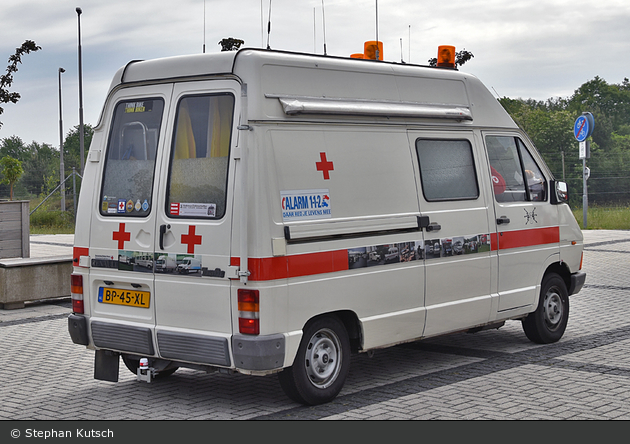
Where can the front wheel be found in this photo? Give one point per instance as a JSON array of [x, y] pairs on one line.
[[548, 323], [321, 364]]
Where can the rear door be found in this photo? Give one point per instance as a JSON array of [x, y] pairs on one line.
[[123, 228], [527, 232], [456, 251], [194, 223]]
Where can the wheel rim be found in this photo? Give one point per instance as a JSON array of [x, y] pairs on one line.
[[323, 358], [553, 308]]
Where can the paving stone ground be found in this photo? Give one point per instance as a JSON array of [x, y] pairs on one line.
[[490, 375]]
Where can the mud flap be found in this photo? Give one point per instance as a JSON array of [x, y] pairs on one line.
[[106, 364]]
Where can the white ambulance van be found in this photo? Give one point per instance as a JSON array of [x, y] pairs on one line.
[[292, 179]]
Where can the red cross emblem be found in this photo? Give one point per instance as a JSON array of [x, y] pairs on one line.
[[324, 165], [191, 239], [121, 236]]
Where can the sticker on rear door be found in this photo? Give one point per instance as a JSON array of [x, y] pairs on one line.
[[193, 209], [305, 205]]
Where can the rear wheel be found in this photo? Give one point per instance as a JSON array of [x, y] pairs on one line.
[[548, 323], [321, 364], [132, 362]]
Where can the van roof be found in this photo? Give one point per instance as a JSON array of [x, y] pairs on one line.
[[284, 84]]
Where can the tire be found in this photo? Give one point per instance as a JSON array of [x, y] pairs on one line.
[[133, 362], [548, 323], [321, 364]]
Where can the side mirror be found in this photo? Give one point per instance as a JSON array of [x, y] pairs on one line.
[[560, 192]]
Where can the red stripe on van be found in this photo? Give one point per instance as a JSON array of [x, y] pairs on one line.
[[524, 238], [283, 267]]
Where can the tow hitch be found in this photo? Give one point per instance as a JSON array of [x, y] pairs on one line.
[[144, 372]]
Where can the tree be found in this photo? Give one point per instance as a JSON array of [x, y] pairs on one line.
[[14, 146], [72, 146], [550, 126], [11, 170], [42, 164], [231, 44], [6, 80]]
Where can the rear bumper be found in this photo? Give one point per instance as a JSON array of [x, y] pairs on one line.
[[258, 353], [252, 353], [577, 282], [77, 327]]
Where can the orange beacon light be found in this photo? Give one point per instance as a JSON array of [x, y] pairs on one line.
[[446, 56]]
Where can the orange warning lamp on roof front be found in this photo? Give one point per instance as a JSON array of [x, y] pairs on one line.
[[358, 55], [446, 56], [369, 50]]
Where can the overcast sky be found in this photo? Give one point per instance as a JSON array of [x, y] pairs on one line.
[[522, 48]]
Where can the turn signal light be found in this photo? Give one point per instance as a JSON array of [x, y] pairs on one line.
[[446, 56], [76, 292], [248, 312]]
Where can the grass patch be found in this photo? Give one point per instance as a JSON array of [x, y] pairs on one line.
[[604, 218], [49, 219]]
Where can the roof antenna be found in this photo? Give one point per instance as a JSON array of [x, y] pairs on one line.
[[377, 52], [401, 52], [409, 58], [269, 26], [324, 24]]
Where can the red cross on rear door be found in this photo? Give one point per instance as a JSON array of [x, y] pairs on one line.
[[191, 239], [121, 236]]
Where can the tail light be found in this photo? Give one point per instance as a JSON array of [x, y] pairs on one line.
[[248, 312], [76, 291]]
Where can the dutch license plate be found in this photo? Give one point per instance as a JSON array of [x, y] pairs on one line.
[[131, 298]]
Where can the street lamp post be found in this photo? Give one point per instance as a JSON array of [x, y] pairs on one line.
[[81, 141], [61, 165]]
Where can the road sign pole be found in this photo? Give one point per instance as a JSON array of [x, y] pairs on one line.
[[582, 129], [584, 194]]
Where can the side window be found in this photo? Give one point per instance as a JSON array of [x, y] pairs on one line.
[[536, 184], [515, 175], [447, 169], [198, 170], [130, 159]]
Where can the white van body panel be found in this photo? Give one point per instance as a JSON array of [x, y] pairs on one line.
[[327, 171]]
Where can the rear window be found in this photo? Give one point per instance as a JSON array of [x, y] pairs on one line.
[[130, 158], [198, 169]]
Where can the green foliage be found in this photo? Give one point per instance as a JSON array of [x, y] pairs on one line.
[[231, 44], [550, 126], [56, 221], [43, 163], [6, 80], [11, 171]]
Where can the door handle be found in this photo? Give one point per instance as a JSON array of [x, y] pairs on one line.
[[434, 227], [163, 229], [503, 220]]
